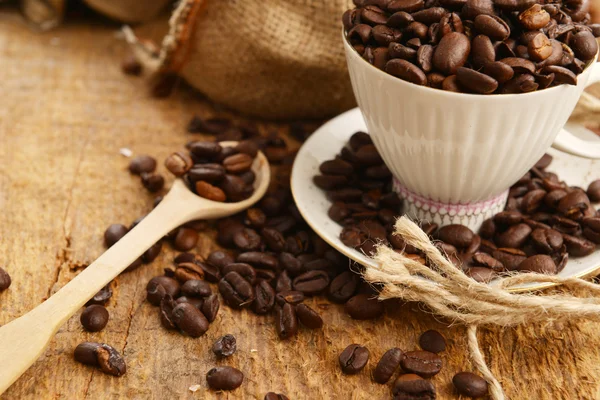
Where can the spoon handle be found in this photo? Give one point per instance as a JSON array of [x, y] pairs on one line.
[[23, 340]]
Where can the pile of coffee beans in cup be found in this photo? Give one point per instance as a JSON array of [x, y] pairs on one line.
[[475, 46], [416, 369], [545, 221]]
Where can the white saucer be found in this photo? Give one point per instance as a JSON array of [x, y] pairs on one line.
[[328, 140]]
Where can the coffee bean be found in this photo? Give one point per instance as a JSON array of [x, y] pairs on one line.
[[515, 236], [210, 192], [114, 233], [224, 378], [311, 282], [245, 270], [275, 396], [258, 260], [539, 48], [480, 274], [220, 259], [210, 173], [94, 318], [255, 218], [236, 291], [408, 6], [482, 52], [284, 282], [470, 384], [195, 288], [573, 204], [387, 365], [343, 287], [532, 201], [274, 240], [101, 355], [492, 26], [150, 255], [591, 228], [5, 280], [205, 149], [546, 240], [584, 45], [189, 319], [363, 307], [336, 167], [451, 53], [264, 298], [593, 191], [411, 386], [247, 239], [406, 71], [561, 74], [101, 297], [308, 317], [535, 17], [287, 321], [248, 147], [153, 182], [178, 163], [456, 235], [473, 8], [578, 247], [289, 296], [210, 307], [141, 164], [476, 81], [432, 341], [234, 187], [159, 286], [508, 218], [487, 261], [519, 65], [238, 163], [422, 363], [540, 263], [195, 301], [399, 51], [185, 239], [353, 359], [225, 346]]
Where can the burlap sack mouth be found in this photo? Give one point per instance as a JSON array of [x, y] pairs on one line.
[[274, 59]]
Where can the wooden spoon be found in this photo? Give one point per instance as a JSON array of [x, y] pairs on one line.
[[23, 340]]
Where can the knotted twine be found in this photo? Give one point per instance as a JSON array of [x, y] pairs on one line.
[[448, 292]]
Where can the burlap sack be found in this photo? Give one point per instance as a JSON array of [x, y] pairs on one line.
[[276, 59], [129, 10]]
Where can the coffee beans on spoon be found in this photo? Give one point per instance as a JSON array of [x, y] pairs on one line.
[[474, 46]]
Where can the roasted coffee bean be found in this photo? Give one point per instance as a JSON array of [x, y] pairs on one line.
[[350, 18], [5, 280], [289, 296], [408, 6], [456, 235], [578, 247], [195, 301], [476, 81], [470, 385], [258, 260], [311, 282], [210, 307], [210, 192], [482, 52], [561, 74], [373, 15], [94, 318], [387, 365], [450, 22], [424, 58], [185, 239], [400, 19], [487, 229], [195, 288], [353, 359], [237, 163], [189, 319], [245, 270], [205, 149], [220, 259], [343, 287], [535, 17], [141, 164], [291, 264], [399, 51], [336, 167], [159, 286], [411, 386], [514, 237], [546, 240], [234, 187], [248, 147], [423, 363], [430, 15], [287, 321], [480, 274], [573, 204], [519, 65], [266, 275], [451, 53], [565, 225], [406, 71], [184, 257], [101, 297], [363, 307], [539, 47], [264, 298], [540, 263], [384, 35], [499, 71], [101, 355], [473, 8], [154, 251], [308, 317], [418, 31], [532, 201], [508, 218], [224, 378], [492, 26], [247, 239], [551, 199], [236, 291], [284, 282], [593, 191], [255, 218], [275, 396], [225, 346], [210, 173], [432, 341], [487, 261], [591, 228], [179, 163], [114, 233], [584, 45]]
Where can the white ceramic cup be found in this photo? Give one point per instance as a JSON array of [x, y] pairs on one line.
[[455, 155]]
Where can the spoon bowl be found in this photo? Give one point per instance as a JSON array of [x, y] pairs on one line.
[[24, 339]]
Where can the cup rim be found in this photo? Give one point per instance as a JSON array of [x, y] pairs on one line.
[[441, 92]]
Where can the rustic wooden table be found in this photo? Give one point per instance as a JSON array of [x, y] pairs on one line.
[[66, 109]]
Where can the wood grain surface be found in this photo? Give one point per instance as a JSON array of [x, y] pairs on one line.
[[66, 110]]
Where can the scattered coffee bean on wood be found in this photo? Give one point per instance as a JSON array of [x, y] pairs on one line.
[[411, 386], [225, 346], [101, 297], [422, 363], [470, 384], [432, 341], [387, 365], [224, 378], [114, 233], [5, 280], [353, 359], [101, 355], [141, 164], [94, 318]]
